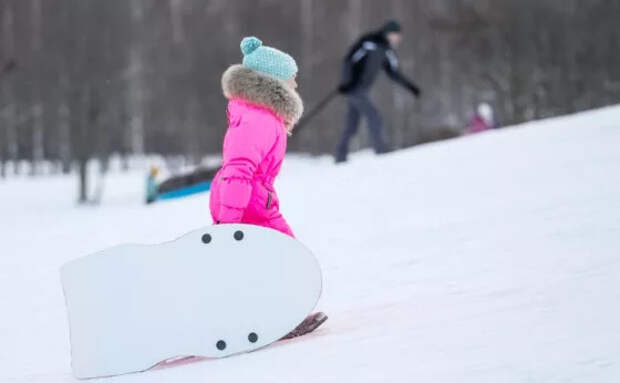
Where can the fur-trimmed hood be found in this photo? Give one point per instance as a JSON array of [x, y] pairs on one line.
[[265, 91]]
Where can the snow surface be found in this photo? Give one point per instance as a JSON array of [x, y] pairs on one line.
[[491, 258]]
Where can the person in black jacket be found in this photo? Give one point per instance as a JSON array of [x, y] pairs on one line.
[[369, 55]]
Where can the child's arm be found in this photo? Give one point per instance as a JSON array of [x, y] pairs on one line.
[[245, 147]]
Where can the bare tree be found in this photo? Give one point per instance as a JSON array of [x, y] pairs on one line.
[[143, 76]]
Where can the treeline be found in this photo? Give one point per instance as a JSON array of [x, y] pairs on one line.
[[82, 79]]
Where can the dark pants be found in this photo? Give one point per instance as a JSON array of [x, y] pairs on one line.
[[360, 105]]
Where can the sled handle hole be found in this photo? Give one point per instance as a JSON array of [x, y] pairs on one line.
[[252, 337]]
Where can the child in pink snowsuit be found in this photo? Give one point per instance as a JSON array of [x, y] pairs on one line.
[[263, 107]]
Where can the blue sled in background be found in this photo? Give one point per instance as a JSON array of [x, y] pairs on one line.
[[179, 186], [186, 191]]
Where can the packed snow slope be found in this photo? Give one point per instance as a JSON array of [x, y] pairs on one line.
[[491, 258]]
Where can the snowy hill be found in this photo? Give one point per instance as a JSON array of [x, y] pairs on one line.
[[492, 258]]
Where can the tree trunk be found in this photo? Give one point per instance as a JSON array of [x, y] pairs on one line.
[[83, 181], [136, 86], [37, 139], [64, 116]]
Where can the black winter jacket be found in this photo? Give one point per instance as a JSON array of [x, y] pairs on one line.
[[370, 54]]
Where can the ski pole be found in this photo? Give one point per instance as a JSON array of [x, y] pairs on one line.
[[316, 110]]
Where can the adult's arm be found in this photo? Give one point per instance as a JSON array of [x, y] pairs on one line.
[[390, 65], [353, 65]]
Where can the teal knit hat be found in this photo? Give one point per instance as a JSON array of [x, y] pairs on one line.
[[267, 60]]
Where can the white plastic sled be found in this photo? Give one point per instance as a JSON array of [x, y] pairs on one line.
[[217, 291]]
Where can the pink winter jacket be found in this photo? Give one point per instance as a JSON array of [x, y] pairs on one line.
[[477, 125], [259, 114]]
